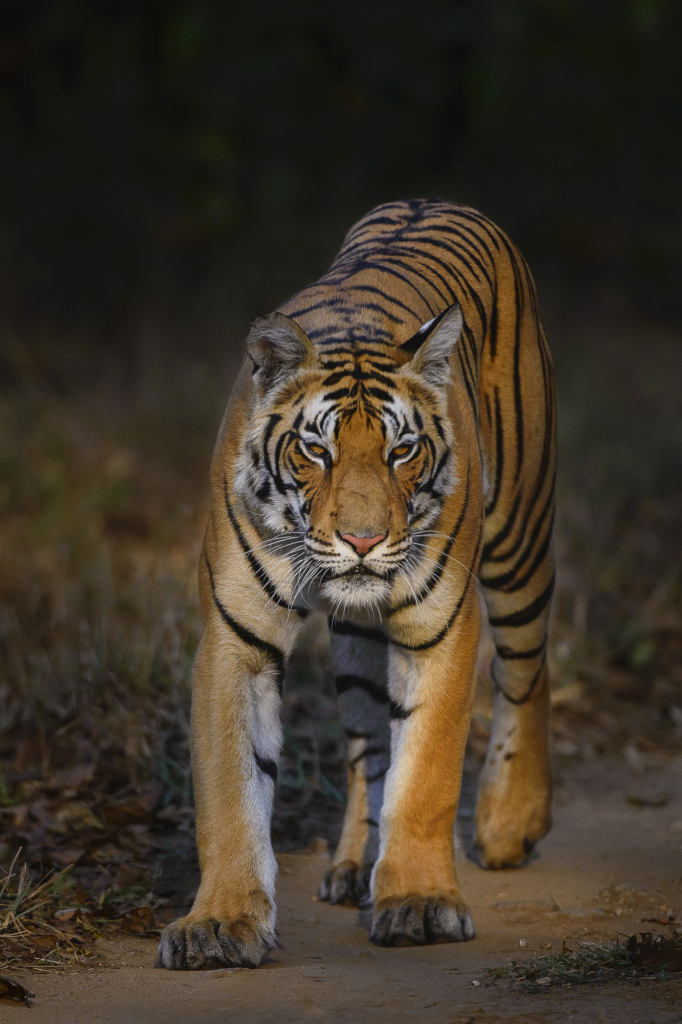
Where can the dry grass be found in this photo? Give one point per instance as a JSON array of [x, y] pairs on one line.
[[48, 922], [638, 956], [98, 608], [103, 501]]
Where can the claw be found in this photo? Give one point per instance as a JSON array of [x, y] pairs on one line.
[[200, 944], [419, 921]]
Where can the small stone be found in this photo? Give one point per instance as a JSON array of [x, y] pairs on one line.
[[318, 845], [475, 983], [634, 759], [523, 942], [648, 799]]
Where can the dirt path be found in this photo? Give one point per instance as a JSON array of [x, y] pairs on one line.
[[327, 970]]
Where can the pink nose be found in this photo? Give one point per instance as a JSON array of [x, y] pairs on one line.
[[362, 544]]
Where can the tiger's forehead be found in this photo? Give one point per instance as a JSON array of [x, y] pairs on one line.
[[352, 382], [362, 403]]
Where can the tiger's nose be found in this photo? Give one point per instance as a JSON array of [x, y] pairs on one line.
[[362, 544]]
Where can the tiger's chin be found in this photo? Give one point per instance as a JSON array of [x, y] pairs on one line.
[[356, 591]]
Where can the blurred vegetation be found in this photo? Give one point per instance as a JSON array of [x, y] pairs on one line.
[[189, 159]]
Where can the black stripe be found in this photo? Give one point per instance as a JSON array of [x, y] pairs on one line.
[[448, 625], [440, 565], [508, 654], [431, 261], [391, 271], [492, 330], [259, 570], [389, 261], [418, 339], [475, 253], [493, 232], [376, 308], [272, 423], [246, 636], [455, 250], [454, 272], [528, 614], [398, 712], [437, 422], [356, 734], [499, 455], [523, 529], [518, 401], [519, 584], [419, 258], [502, 534], [351, 682], [503, 580], [527, 695], [468, 376], [267, 766], [332, 301], [344, 628], [384, 295]]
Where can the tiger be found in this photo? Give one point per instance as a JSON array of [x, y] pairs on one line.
[[387, 454]]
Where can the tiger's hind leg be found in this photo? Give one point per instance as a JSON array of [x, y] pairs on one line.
[[360, 664], [518, 433], [513, 810]]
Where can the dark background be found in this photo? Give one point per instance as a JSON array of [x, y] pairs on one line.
[[170, 170], [193, 161]]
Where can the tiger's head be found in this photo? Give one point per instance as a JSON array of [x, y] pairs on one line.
[[350, 450]]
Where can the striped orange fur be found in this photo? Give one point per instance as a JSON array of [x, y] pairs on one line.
[[391, 438]]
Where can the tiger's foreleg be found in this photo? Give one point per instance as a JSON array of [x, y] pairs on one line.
[[236, 739], [414, 885], [360, 666]]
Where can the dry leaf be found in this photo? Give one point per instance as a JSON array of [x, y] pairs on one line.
[[652, 952], [14, 992], [72, 777], [139, 920], [648, 799]]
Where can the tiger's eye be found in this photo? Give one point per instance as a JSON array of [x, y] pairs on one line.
[[316, 449], [402, 449]]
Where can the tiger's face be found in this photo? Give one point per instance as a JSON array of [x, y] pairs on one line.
[[353, 455]]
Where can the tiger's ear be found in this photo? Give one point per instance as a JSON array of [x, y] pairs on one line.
[[278, 348], [433, 344]]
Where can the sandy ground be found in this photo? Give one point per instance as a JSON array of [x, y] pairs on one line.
[[607, 864]]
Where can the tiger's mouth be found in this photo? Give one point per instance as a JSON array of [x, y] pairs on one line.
[[360, 570], [359, 587]]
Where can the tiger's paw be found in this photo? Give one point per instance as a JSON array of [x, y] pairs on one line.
[[345, 884], [508, 829], [421, 920], [193, 944]]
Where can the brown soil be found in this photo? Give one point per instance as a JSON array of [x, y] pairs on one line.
[[608, 863]]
